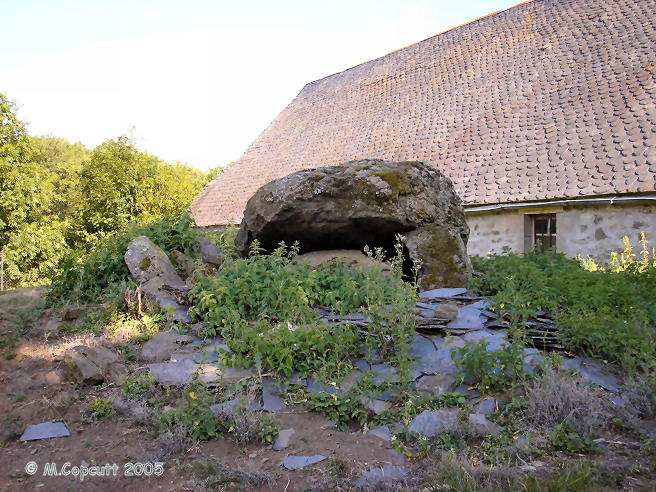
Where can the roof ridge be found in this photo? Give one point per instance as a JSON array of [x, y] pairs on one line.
[[473, 21]]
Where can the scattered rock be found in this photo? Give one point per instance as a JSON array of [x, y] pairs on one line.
[[422, 346], [383, 373], [282, 440], [162, 345], [376, 406], [383, 433], [486, 406], [431, 423], [272, 402], [315, 387], [208, 252], [597, 376], [468, 318], [439, 362], [481, 426], [297, 462], [443, 293], [365, 203], [71, 313], [376, 476], [437, 384], [45, 430], [93, 365], [229, 407]]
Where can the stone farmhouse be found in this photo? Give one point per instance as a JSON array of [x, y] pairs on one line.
[[542, 115]]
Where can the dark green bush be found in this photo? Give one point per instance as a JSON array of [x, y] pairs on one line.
[[606, 314], [101, 273]]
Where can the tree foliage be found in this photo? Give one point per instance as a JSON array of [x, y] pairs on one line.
[[59, 199]]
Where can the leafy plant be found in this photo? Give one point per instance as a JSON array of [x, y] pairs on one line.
[[341, 409], [490, 371], [568, 441], [99, 409], [607, 314], [102, 273]]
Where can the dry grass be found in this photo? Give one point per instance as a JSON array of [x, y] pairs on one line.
[[557, 398]]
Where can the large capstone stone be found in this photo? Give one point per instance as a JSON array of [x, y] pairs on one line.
[[363, 203]]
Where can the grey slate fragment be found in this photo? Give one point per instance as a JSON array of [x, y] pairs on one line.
[[468, 318], [572, 364], [296, 379], [486, 407], [422, 346], [383, 433], [376, 406], [481, 426], [384, 373], [431, 423], [606, 381], [362, 364], [297, 462], [271, 402], [282, 440], [229, 407], [174, 373], [437, 384], [377, 476], [46, 430], [444, 293], [315, 387], [439, 362]]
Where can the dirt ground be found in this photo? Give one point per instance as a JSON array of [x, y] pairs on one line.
[[31, 390]]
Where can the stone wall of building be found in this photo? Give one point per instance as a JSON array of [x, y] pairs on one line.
[[495, 232], [594, 231], [597, 231]]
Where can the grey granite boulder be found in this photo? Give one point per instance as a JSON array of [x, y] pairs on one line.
[[363, 203]]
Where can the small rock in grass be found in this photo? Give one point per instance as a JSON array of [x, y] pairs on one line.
[[376, 476], [437, 384], [431, 423], [443, 293], [283, 438], [481, 426], [383, 433], [297, 462], [486, 406]]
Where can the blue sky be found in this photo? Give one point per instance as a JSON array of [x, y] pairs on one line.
[[195, 81]]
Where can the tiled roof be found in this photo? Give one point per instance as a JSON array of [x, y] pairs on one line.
[[549, 99]]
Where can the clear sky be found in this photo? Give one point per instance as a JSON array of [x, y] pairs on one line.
[[194, 80]]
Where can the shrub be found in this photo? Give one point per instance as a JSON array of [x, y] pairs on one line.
[[102, 273], [608, 314], [557, 398], [341, 409], [264, 304], [491, 371]]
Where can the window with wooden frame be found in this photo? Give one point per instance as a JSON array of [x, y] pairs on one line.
[[540, 232]]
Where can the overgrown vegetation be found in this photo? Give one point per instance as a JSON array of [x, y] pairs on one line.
[[102, 274], [265, 304], [59, 198], [606, 313]]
